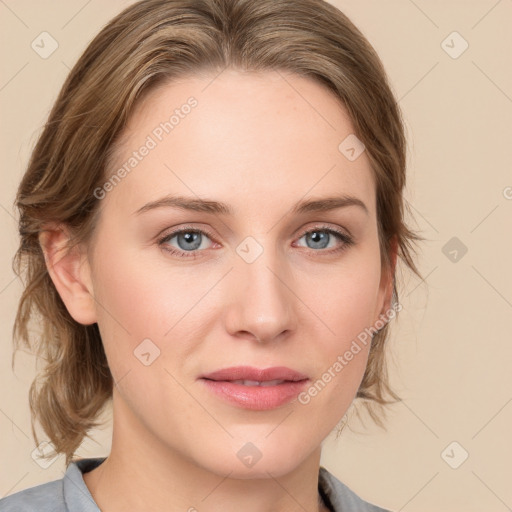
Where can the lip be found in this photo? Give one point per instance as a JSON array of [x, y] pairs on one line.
[[251, 373], [258, 398]]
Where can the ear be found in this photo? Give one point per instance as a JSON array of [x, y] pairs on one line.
[[388, 278], [70, 273]]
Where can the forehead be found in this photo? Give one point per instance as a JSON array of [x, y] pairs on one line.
[[239, 137]]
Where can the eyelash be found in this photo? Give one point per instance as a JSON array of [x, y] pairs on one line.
[[343, 237]]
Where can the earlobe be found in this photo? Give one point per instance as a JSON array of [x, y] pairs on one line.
[[70, 273]]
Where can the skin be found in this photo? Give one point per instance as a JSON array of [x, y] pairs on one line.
[[260, 143]]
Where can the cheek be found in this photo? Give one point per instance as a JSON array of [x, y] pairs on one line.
[[347, 308], [134, 295], [128, 305], [347, 296], [125, 301], [140, 300]]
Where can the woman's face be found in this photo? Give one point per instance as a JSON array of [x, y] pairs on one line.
[[265, 284]]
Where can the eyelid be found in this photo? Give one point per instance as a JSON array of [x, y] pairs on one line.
[[322, 226]]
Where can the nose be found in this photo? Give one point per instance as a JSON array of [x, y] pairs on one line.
[[262, 305]]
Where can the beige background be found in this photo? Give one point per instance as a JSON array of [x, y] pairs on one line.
[[451, 349]]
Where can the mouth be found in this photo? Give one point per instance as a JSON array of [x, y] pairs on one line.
[[256, 389]]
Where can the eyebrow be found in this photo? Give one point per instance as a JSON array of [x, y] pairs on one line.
[[216, 207]]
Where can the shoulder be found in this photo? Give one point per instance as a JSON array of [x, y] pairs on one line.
[[341, 497], [67, 494], [48, 497]]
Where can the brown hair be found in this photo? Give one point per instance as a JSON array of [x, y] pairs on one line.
[[149, 43]]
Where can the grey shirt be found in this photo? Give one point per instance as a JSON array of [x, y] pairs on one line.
[[70, 494]]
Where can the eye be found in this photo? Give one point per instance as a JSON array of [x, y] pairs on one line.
[[325, 238], [188, 240]]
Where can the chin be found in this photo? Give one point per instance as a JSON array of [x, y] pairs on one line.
[[255, 460]]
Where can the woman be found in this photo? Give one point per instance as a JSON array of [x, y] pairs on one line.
[[210, 224]]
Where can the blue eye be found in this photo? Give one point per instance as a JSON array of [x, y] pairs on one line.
[[188, 240], [191, 241], [321, 237]]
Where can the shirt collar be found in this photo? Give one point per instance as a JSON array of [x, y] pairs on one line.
[[78, 497], [76, 493]]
